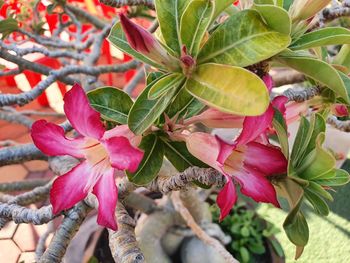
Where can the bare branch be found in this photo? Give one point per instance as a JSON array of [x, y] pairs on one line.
[[20, 214], [301, 95], [22, 185], [20, 153], [70, 225], [123, 242], [15, 117], [340, 125], [207, 176], [200, 233], [120, 3]]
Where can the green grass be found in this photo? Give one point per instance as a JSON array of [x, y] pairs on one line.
[[329, 236]]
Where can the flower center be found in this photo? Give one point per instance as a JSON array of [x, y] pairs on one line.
[[234, 162], [94, 152]]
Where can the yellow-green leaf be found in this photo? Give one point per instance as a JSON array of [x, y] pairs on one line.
[[242, 40], [194, 23], [316, 69], [229, 89]]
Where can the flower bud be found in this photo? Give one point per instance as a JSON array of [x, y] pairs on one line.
[[340, 110], [143, 42]]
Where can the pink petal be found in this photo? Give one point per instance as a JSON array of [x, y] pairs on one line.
[[255, 185], [81, 115], [107, 194], [50, 139], [280, 103], [253, 127], [294, 110], [204, 147], [226, 198], [70, 188], [123, 130], [226, 150], [216, 119], [267, 159], [268, 82], [122, 155]]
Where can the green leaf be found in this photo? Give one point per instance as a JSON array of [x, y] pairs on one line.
[[117, 38], [297, 229], [318, 125], [343, 57], [179, 156], [151, 163], [243, 40], [280, 126], [194, 23], [145, 112], [184, 104], [169, 14], [341, 178], [220, 6], [7, 26], [264, 2], [323, 37], [319, 190], [316, 69], [317, 202], [346, 81], [229, 89], [287, 4], [301, 141], [112, 103], [275, 17], [317, 163], [164, 85], [244, 254]]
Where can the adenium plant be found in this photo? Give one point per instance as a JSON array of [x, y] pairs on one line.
[[210, 63]]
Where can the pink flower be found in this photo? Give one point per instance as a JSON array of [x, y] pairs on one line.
[[143, 42], [100, 152], [249, 165]]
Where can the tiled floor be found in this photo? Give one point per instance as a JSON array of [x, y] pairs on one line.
[[18, 242]]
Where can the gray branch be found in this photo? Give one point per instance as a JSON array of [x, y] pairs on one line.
[[301, 95], [21, 153], [120, 3], [22, 185], [70, 225], [123, 242], [207, 176]]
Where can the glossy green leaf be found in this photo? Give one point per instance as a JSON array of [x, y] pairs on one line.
[[301, 141], [117, 38], [145, 112], [318, 125], [220, 6], [243, 40], [341, 178], [316, 69], [184, 104], [319, 190], [264, 2], [151, 163], [164, 85], [343, 57], [180, 157], [275, 17], [318, 162], [287, 4], [229, 89], [194, 24], [346, 81], [169, 15], [280, 126], [112, 103], [323, 37], [295, 224], [317, 202]]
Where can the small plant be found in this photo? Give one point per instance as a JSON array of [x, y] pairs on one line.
[[248, 231]]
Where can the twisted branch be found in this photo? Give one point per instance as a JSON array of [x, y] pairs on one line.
[[123, 242], [120, 3]]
